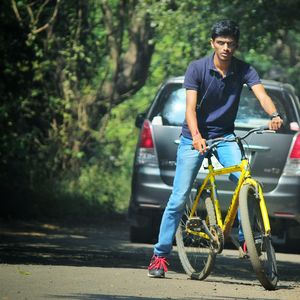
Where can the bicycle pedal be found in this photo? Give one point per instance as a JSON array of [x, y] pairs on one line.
[[242, 254], [258, 241]]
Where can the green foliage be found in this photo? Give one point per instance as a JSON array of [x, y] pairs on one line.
[[65, 144]]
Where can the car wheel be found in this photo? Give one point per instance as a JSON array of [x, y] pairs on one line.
[[141, 234]]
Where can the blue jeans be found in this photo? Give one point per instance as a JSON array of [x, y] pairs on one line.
[[188, 164]]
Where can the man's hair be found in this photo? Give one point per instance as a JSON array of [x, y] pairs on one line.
[[226, 28]]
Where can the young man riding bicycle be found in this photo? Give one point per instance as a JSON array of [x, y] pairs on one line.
[[213, 87]]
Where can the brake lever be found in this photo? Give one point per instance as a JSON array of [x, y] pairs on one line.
[[265, 131]]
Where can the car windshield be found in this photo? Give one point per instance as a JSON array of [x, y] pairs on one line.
[[249, 115], [173, 111]]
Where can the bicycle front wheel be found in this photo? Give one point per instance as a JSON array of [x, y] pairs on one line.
[[258, 241], [195, 252]]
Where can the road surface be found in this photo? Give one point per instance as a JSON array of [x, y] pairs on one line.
[[46, 260]]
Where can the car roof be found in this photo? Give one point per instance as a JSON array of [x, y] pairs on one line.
[[273, 84]]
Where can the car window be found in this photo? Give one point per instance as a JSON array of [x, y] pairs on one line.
[[250, 113], [171, 107], [173, 112]]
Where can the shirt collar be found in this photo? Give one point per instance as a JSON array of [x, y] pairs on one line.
[[232, 67]]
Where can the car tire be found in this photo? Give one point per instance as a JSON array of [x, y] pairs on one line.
[[141, 234], [292, 245]]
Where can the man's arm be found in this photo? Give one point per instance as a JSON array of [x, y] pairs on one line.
[[191, 118], [268, 105]]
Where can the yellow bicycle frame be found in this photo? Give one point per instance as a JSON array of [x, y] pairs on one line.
[[245, 178]]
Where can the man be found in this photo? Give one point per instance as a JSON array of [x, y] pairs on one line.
[[213, 87]]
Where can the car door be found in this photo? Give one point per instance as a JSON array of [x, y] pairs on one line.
[[167, 116]]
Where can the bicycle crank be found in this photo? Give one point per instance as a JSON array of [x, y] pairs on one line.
[[214, 233]]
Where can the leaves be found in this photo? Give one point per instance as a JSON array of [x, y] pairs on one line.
[[75, 74]]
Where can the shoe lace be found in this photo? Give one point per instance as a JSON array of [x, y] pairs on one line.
[[159, 263]]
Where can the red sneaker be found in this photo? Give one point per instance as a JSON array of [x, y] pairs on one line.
[[157, 267]]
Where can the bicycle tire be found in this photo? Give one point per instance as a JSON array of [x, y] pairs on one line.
[[258, 242], [196, 254]]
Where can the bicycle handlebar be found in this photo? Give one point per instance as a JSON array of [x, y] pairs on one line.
[[212, 143]]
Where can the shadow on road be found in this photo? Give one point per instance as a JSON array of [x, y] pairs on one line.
[[117, 297], [104, 245]]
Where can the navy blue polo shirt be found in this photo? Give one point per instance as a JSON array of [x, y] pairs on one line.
[[218, 97]]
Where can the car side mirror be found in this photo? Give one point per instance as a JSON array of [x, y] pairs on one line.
[[140, 119]]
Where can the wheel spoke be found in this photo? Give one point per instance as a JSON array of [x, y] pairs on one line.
[[195, 251], [259, 243]]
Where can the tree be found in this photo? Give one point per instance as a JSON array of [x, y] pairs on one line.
[[88, 56], [68, 67]]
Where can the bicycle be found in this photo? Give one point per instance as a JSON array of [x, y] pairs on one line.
[[202, 230]]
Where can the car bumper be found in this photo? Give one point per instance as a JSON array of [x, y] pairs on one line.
[[150, 196], [284, 200]]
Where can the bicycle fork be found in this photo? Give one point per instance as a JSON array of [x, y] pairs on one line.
[[262, 203]]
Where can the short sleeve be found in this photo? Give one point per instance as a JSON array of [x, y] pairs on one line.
[[251, 77], [191, 78]]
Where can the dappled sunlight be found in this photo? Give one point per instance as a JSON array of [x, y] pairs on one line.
[[52, 232], [108, 246]]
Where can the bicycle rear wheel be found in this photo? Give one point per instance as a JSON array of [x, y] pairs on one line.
[[258, 242], [196, 253]]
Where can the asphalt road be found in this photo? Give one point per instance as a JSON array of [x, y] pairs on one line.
[[54, 261]]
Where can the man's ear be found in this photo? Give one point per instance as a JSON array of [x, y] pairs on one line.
[[212, 43]]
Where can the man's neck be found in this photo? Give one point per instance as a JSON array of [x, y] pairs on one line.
[[222, 66]]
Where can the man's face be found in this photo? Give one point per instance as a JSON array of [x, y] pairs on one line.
[[224, 47]]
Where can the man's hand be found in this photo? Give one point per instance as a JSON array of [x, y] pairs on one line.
[[275, 123], [199, 143]]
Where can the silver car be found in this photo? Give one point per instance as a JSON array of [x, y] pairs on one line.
[[275, 159]]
